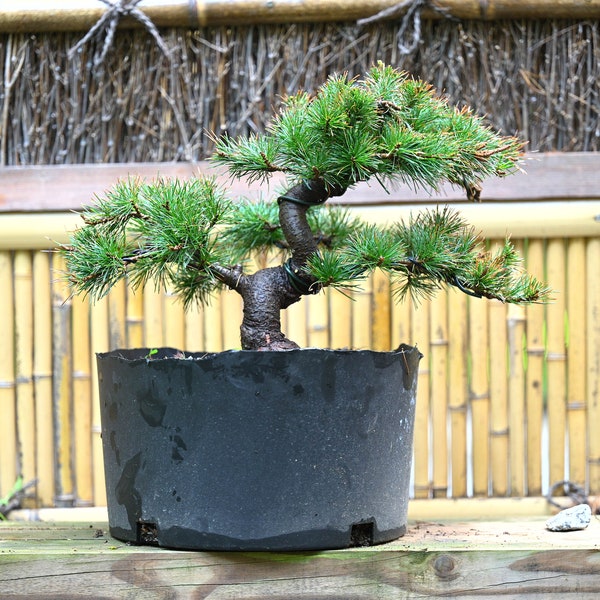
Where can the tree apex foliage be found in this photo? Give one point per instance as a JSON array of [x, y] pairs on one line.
[[187, 236], [386, 125]]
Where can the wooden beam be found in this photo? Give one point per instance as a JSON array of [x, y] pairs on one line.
[[68, 187], [552, 176], [516, 558], [77, 15]]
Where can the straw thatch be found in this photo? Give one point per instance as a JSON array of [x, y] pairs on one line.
[[536, 78]]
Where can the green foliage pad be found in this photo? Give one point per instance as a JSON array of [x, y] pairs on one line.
[[189, 237]]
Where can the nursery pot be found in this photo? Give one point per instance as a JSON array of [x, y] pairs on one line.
[[249, 450]]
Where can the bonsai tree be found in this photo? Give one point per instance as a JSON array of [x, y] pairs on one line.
[[189, 236]]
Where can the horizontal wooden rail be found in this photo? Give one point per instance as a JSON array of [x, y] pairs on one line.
[[76, 15], [528, 396], [39, 231], [549, 176]]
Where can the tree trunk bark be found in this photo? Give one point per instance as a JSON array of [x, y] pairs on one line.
[[264, 294], [268, 291]]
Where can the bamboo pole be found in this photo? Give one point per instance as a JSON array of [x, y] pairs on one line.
[[499, 432], [256, 11], [535, 374], [62, 371], [99, 342], [8, 422], [117, 311], [442, 510], [556, 360], [232, 319], [42, 377], [23, 273], [194, 329], [361, 312], [340, 319], [480, 395], [576, 358], [75, 15], [484, 509], [295, 323], [36, 231], [213, 323], [438, 347], [317, 320], [174, 321], [401, 321], [593, 363], [153, 317], [82, 403], [134, 329], [562, 218], [420, 332], [458, 394], [516, 396], [381, 314]]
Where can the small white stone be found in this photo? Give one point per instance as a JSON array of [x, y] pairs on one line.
[[570, 519]]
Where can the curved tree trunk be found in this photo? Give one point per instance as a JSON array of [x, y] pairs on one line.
[[268, 291]]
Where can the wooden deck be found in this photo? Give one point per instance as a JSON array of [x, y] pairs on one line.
[[477, 559]]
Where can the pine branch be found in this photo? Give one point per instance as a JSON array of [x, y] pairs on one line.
[[253, 158], [434, 249], [162, 231]]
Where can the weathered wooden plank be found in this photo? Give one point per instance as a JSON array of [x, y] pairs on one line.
[[19, 537], [357, 576], [67, 187], [506, 559]]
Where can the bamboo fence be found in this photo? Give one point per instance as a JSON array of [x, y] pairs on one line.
[[519, 414], [507, 400]]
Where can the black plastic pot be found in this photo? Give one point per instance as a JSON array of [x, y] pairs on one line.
[[244, 450]]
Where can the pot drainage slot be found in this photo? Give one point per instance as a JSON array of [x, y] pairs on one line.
[[361, 534], [147, 533]]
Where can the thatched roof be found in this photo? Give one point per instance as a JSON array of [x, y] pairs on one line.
[[537, 78]]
